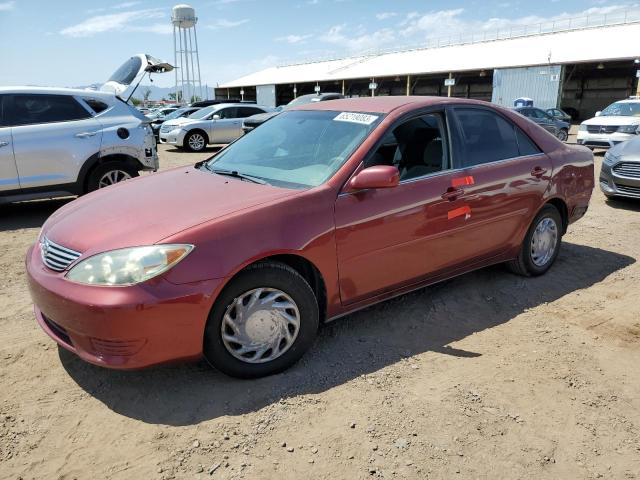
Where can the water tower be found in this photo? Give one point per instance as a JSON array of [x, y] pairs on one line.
[[185, 46]]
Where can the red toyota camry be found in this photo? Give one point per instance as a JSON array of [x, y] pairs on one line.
[[323, 210]]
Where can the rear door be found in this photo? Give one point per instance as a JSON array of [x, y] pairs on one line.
[[53, 135], [505, 176], [223, 129], [8, 171]]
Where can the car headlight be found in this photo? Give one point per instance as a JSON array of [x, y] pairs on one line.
[[128, 266], [583, 128], [628, 129], [610, 158]]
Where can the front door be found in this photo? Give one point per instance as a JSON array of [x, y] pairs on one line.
[[8, 171], [226, 128], [53, 135], [387, 238]]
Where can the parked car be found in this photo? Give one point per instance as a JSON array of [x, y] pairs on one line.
[[217, 124], [620, 172], [326, 209], [556, 127], [56, 142], [208, 103], [179, 113], [256, 120], [161, 113], [559, 115], [573, 113], [617, 123]]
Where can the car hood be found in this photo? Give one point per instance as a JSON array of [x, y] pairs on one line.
[[628, 151], [150, 208], [612, 120], [179, 122]]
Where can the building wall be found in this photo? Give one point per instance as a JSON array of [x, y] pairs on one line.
[[542, 84], [266, 95]]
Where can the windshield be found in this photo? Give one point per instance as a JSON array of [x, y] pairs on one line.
[[203, 113], [176, 113], [622, 109], [297, 149]]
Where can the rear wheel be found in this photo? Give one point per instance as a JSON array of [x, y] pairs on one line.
[[541, 244], [563, 135], [262, 323], [110, 173], [195, 141]]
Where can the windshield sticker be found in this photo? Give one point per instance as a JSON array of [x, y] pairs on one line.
[[362, 118]]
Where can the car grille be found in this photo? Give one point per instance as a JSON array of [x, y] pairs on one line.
[[628, 169], [602, 128], [55, 256], [628, 189]]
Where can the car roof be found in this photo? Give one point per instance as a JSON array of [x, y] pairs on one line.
[[57, 91], [218, 106], [384, 104]]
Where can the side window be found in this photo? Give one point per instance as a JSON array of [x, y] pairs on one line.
[[486, 136], [96, 105], [417, 147], [2, 122], [33, 109], [526, 112], [226, 112], [244, 112], [525, 144]]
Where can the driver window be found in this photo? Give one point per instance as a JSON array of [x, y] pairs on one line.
[[416, 147], [226, 113]]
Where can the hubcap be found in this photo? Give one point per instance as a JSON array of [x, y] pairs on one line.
[[196, 141], [562, 135], [544, 241], [112, 177], [260, 325]]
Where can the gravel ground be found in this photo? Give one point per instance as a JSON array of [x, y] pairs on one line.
[[485, 376]]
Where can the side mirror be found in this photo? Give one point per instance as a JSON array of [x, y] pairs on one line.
[[215, 117], [598, 113], [378, 176]]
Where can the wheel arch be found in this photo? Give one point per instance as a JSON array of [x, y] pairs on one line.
[[96, 160], [201, 131], [562, 208], [303, 266]]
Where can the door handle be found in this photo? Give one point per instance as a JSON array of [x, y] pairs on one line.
[[452, 194], [4, 144], [538, 171], [85, 134]]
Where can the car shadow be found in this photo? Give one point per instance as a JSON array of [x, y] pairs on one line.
[[427, 320], [31, 214], [621, 203]]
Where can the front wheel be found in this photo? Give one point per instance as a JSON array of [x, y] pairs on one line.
[[262, 323], [541, 244], [195, 141], [563, 135]]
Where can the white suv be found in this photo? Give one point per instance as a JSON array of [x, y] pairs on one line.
[[617, 123], [58, 142]]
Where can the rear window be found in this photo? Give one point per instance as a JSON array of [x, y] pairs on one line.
[[525, 144], [29, 109], [127, 71], [96, 105]]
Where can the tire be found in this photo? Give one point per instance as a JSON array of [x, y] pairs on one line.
[[563, 135], [251, 283], [195, 141], [526, 263], [109, 173]]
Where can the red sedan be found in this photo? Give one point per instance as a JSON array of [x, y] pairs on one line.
[[323, 210]]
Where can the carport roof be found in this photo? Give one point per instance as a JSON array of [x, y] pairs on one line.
[[576, 46]]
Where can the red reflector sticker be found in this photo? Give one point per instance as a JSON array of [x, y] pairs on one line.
[[460, 181], [458, 212]]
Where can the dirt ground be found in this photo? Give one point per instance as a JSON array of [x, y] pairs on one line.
[[487, 376]]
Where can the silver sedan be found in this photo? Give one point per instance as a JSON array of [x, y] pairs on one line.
[[620, 174]]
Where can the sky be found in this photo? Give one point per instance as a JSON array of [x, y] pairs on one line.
[[81, 42]]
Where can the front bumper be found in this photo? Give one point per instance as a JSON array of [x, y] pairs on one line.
[[602, 140], [174, 137], [614, 184], [121, 327]]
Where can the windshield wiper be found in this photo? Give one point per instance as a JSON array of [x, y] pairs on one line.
[[236, 174]]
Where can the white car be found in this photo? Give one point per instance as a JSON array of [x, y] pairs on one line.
[[57, 142], [216, 124], [617, 123]]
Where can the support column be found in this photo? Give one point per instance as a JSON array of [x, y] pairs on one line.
[[408, 85], [449, 87], [342, 87]]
